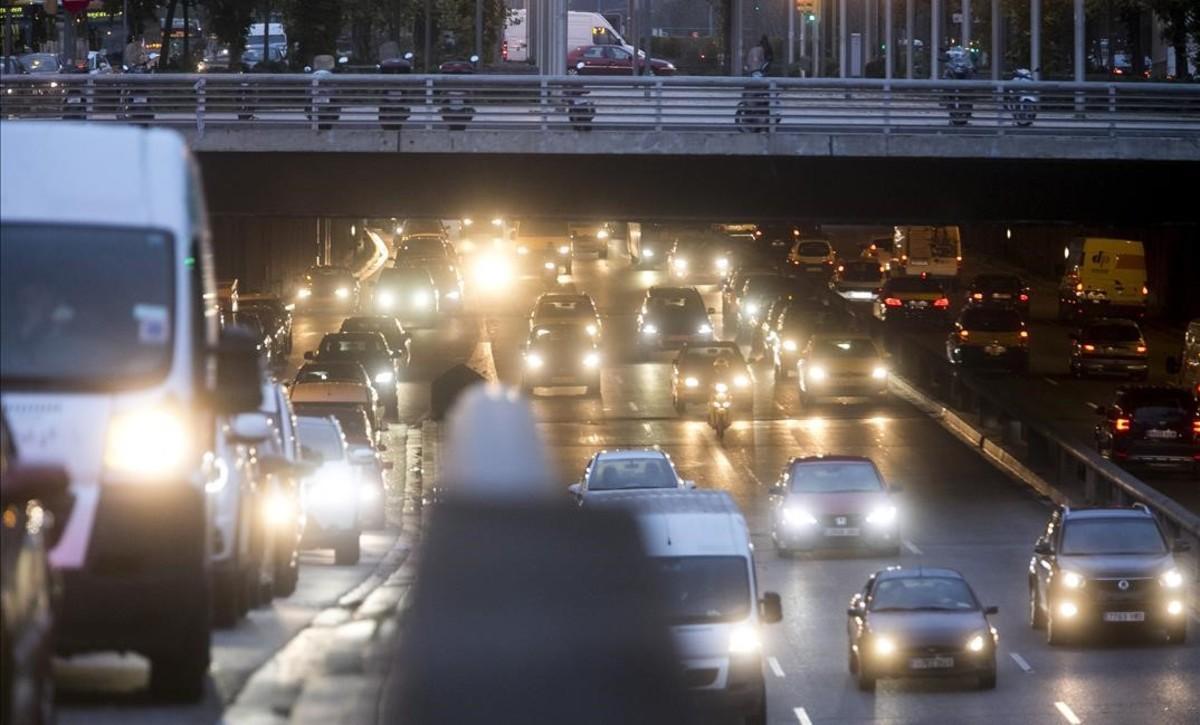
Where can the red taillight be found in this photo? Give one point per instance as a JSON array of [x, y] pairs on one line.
[[942, 302], [504, 50], [1145, 290], [893, 302], [1141, 348], [1024, 297], [977, 296], [1122, 424], [1024, 334], [1089, 347], [964, 334], [1196, 427]]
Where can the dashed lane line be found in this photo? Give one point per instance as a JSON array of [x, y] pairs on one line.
[[1065, 710], [774, 663], [1052, 381], [802, 716], [1021, 662], [913, 548]]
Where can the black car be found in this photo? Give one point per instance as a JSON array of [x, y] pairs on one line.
[[272, 348], [561, 355], [275, 314], [1110, 345], [1005, 290], [1097, 568], [912, 299], [920, 622], [756, 294], [1157, 426], [369, 349], [397, 338], [447, 278], [803, 316], [409, 294], [325, 287], [671, 317]]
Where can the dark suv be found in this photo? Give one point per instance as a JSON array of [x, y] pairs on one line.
[[1156, 426], [1105, 567]]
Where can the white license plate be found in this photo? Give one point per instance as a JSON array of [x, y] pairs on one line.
[[921, 304], [995, 349], [930, 663], [920, 262], [843, 532], [1001, 297], [1124, 616], [1162, 434], [816, 268]]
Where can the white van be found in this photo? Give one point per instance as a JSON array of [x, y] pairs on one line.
[[934, 252], [699, 547], [582, 29], [109, 366]]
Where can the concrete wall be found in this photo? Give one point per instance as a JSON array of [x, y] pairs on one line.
[[269, 253]]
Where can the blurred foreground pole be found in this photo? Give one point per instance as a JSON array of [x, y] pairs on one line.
[[997, 51], [526, 608]]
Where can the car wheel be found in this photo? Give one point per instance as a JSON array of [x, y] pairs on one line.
[[287, 575], [348, 551], [227, 605], [865, 681], [987, 680], [181, 674], [1177, 633], [1055, 636], [1037, 618]]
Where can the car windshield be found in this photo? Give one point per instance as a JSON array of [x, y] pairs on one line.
[[423, 226], [846, 348], [384, 325], [703, 589], [1113, 333], [834, 477], [423, 247], [40, 62], [327, 279], [1112, 536], [321, 437], [560, 334], [353, 345], [675, 303], [812, 249], [85, 307], [564, 307], [707, 354], [332, 373], [626, 473], [991, 320], [922, 593], [912, 284], [353, 419]]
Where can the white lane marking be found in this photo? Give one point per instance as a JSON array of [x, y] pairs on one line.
[[750, 473], [802, 716], [633, 406], [913, 548], [646, 427], [1052, 381], [1067, 713], [1090, 404], [1020, 662], [774, 663]]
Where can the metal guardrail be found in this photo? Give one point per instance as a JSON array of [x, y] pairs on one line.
[[1079, 473], [522, 103]]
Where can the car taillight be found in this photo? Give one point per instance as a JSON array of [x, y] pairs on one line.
[[1141, 348], [1122, 424], [977, 296], [1089, 347], [963, 334], [942, 302], [1024, 297], [1145, 290], [1196, 427], [893, 302], [1024, 334]]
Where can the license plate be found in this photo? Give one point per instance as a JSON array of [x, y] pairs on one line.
[[930, 663], [920, 262], [994, 349], [816, 267], [844, 531], [1001, 297], [1124, 616], [1162, 434], [919, 304]]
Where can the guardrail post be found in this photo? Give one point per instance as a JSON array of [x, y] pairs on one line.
[[544, 103], [312, 103], [658, 105], [199, 87], [1112, 109], [429, 115], [887, 99], [1090, 494], [1001, 109]]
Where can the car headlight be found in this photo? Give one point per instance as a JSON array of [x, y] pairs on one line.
[[453, 295], [680, 264], [648, 253], [367, 493], [564, 249], [796, 516], [550, 265], [705, 329], [279, 510], [1071, 580], [752, 309], [816, 374], [884, 645], [879, 372], [534, 361], [147, 443], [341, 293], [649, 329], [789, 345], [385, 300], [976, 643], [304, 293], [466, 222], [421, 299], [721, 263], [591, 360], [1068, 609], [497, 222], [522, 250], [591, 329], [602, 234], [1172, 579], [741, 381], [882, 516], [384, 377], [691, 382], [744, 639]]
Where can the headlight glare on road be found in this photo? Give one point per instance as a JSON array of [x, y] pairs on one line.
[[148, 443], [534, 361], [817, 374], [691, 382], [884, 646], [744, 639], [879, 372], [882, 516], [796, 516], [789, 345], [384, 377], [591, 360], [976, 643], [341, 293], [1172, 579], [1071, 580]]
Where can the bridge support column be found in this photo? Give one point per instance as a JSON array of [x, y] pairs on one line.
[[909, 22], [1035, 38], [889, 54], [935, 37], [737, 54], [841, 39], [965, 40], [996, 51]]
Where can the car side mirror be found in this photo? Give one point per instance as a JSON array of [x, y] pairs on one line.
[[343, 60], [579, 65], [474, 59], [770, 608], [309, 355], [1172, 365], [251, 427], [576, 490], [1043, 548], [1181, 546], [307, 68], [991, 610]]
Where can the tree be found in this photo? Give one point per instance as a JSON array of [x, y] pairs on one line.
[[313, 27], [458, 17], [230, 21], [1176, 16]]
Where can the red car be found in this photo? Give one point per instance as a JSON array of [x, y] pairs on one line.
[[611, 60], [833, 501]]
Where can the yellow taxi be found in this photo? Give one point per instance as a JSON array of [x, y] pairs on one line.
[[989, 335]]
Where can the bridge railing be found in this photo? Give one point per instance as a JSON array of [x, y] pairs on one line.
[[523, 103], [1075, 471]]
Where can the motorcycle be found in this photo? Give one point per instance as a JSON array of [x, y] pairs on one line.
[[135, 99], [959, 68], [756, 111], [325, 108], [454, 109], [580, 111], [395, 109], [1022, 103], [720, 409]]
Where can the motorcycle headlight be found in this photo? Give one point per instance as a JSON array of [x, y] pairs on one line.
[[691, 382], [602, 234], [591, 360], [341, 293], [817, 374], [649, 329], [534, 361], [882, 516], [752, 309], [1071, 580], [384, 377], [879, 372], [1172, 579], [148, 443], [744, 639], [648, 253], [795, 516], [789, 345]]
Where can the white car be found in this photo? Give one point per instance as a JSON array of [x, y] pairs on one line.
[[331, 494], [628, 470]]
